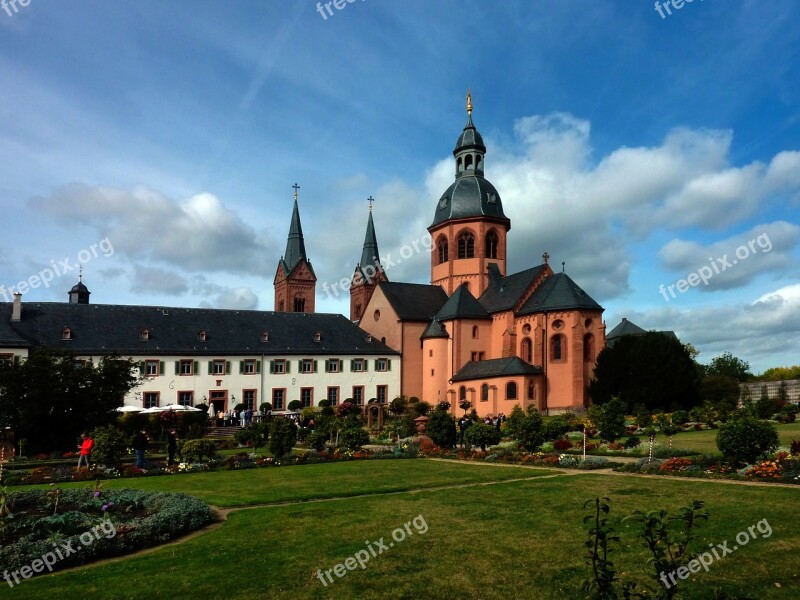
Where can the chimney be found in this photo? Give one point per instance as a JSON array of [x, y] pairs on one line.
[[16, 311]]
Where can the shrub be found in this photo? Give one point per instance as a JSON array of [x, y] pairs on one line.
[[354, 438], [593, 462], [252, 435], [316, 440], [795, 447], [632, 442], [610, 419], [110, 444], [264, 407], [402, 427], [746, 438], [282, 436], [555, 427], [525, 427], [420, 408], [194, 451], [295, 405], [680, 417], [444, 406], [482, 435], [442, 429], [562, 445]]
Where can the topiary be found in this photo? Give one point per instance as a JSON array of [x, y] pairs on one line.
[[282, 436], [746, 438], [353, 438], [441, 428], [295, 405], [193, 451], [316, 440], [482, 435], [420, 408], [110, 444]]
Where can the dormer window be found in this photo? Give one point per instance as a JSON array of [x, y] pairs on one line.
[[265, 336], [202, 336], [144, 335], [368, 339], [317, 337], [66, 333]]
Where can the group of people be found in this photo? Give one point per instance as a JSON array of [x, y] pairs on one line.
[[140, 442], [231, 417], [465, 423]]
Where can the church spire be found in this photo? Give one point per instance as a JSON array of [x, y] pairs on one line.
[[370, 256], [295, 245]]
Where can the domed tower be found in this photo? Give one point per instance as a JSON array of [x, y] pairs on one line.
[[469, 226], [79, 294]]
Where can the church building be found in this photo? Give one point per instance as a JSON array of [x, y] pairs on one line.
[[477, 333]]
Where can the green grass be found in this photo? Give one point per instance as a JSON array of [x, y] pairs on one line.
[[705, 441], [311, 482], [511, 540]]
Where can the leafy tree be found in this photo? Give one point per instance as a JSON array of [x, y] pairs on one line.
[[722, 392], [680, 417], [482, 435], [746, 438], [444, 405], [529, 430], [49, 399], [780, 373], [609, 419], [398, 405], [420, 408], [765, 406], [254, 435], [729, 366], [441, 428], [317, 440], [110, 445], [653, 369], [465, 405], [282, 436], [197, 450]]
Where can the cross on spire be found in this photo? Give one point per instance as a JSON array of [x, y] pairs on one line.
[[296, 187], [370, 200], [546, 257], [80, 274]]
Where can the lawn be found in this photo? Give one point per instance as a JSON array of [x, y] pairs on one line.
[[705, 441], [514, 539]]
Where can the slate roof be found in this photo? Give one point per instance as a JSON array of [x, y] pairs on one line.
[[469, 138], [470, 195], [295, 245], [503, 293], [104, 328], [434, 330], [414, 301], [498, 367], [462, 305], [8, 337], [558, 292], [626, 328]]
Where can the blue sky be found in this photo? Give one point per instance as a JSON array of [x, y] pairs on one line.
[[632, 147]]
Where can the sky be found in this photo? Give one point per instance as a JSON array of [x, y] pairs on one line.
[[655, 151]]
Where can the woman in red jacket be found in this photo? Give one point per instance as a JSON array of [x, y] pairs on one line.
[[85, 449]]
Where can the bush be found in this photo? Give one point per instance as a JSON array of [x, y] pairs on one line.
[[316, 440], [252, 435], [354, 438], [442, 429], [746, 438], [444, 406], [264, 407], [526, 428], [560, 445], [554, 428], [632, 442], [110, 445], [680, 417], [194, 451], [610, 419], [402, 427], [295, 405], [420, 408], [282, 436], [482, 435]]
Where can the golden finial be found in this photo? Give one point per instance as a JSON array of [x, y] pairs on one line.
[[295, 187], [469, 102]]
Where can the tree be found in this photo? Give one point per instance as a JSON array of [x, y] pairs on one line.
[[282, 436], [50, 398], [780, 373], [746, 438], [354, 438], [730, 366], [398, 405], [465, 405], [527, 428], [609, 419], [441, 428], [654, 370], [765, 406], [420, 408], [110, 444], [722, 392]]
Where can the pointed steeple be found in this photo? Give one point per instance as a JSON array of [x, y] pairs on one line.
[[295, 246], [370, 254]]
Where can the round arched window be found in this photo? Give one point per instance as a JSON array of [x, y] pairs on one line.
[[377, 315], [558, 324], [588, 323], [526, 329]]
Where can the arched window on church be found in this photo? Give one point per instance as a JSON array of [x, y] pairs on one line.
[[462, 393], [468, 161], [299, 304], [491, 244], [444, 255], [466, 245], [558, 348], [460, 165], [485, 392], [511, 391], [526, 350], [588, 347]]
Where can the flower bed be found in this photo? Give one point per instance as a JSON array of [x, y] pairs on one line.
[[93, 524]]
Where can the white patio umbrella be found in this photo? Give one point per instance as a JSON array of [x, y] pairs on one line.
[[181, 408], [127, 409], [154, 409]]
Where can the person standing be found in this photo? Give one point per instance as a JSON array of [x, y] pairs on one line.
[[85, 455], [172, 446], [140, 445]]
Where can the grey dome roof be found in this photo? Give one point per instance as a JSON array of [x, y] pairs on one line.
[[469, 138], [469, 196], [79, 287]]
